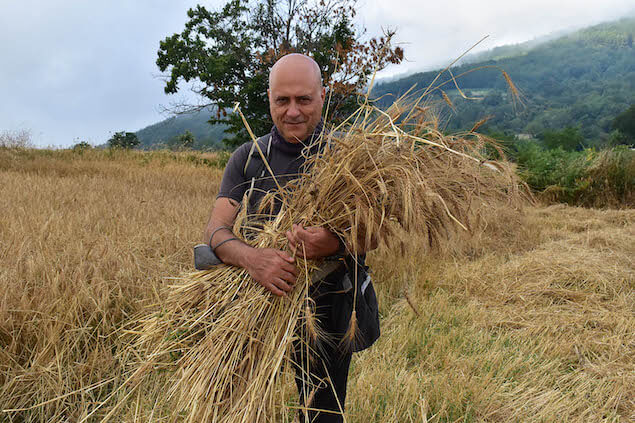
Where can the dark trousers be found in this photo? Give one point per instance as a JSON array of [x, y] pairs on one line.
[[322, 386]]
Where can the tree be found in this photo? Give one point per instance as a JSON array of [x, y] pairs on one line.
[[569, 139], [81, 146], [184, 141], [225, 55], [123, 139], [625, 124]]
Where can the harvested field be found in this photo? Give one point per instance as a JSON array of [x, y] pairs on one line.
[[533, 320]]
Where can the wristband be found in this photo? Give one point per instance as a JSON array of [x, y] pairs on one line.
[[214, 233], [222, 242]]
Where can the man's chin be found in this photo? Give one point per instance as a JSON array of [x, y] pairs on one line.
[[295, 135]]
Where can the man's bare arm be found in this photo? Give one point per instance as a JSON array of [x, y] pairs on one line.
[[273, 269]]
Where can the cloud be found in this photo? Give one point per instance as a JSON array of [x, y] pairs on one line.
[[82, 70], [434, 33]]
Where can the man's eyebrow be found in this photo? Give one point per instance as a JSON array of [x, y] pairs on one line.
[[281, 97]]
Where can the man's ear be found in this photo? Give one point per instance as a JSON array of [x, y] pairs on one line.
[[323, 93], [269, 94]]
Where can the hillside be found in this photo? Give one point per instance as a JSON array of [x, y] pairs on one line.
[[582, 79], [160, 134]]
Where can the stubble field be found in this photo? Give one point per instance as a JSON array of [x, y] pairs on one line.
[[532, 320]]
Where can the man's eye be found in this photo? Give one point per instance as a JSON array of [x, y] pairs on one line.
[[281, 101], [305, 100]]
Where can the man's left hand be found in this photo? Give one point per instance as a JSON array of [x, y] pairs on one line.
[[318, 242]]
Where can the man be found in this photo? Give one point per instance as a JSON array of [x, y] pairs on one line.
[[296, 97]]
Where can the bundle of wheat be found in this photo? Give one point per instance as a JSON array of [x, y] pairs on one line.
[[383, 174]]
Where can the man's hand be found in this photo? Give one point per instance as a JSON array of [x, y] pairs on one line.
[[273, 269], [318, 242]]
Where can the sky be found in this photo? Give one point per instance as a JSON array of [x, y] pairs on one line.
[[73, 70]]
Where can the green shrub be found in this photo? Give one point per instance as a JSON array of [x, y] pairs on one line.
[[586, 178], [81, 146]]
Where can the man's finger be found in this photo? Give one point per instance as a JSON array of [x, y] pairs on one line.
[[281, 284], [314, 229], [275, 291], [285, 256], [302, 234], [290, 268], [289, 278]]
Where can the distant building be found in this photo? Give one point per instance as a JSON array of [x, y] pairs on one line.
[[524, 137]]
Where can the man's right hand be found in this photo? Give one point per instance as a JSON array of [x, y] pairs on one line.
[[273, 269]]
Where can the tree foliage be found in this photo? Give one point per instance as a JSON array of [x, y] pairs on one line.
[[625, 123], [185, 141], [226, 55], [123, 139], [569, 139], [16, 139]]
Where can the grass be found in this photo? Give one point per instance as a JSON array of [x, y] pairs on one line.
[[536, 327], [589, 178], [530, 321]]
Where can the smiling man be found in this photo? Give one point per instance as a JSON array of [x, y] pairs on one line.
[[296, 97]]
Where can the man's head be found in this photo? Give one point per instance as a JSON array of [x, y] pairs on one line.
[[296, 96]]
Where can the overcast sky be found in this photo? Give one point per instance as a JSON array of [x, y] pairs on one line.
[[74, 70]]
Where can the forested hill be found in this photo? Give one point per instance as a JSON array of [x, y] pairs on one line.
[[165, 133], [583, 79]]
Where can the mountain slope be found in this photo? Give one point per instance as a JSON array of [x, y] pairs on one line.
[[582, 79], [162, 133]]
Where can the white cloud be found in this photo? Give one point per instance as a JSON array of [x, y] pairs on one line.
[[434, 33]]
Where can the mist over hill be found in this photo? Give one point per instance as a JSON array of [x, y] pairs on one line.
[[582, 79]]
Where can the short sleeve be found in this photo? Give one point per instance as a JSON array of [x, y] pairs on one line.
[[233, 185]]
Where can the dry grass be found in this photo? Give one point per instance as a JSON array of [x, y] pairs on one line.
[[83, 240], [531, 321]]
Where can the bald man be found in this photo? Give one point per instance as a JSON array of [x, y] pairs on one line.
[[296, 97]]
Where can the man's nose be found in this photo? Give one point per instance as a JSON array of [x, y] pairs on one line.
[[293, 110]]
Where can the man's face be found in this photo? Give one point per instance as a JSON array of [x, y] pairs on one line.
[[295, 100]]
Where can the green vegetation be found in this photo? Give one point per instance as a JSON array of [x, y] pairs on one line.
[[185, 141], [592, 178], [125, 140], [206, 136], [581, 80], [625, 125]]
